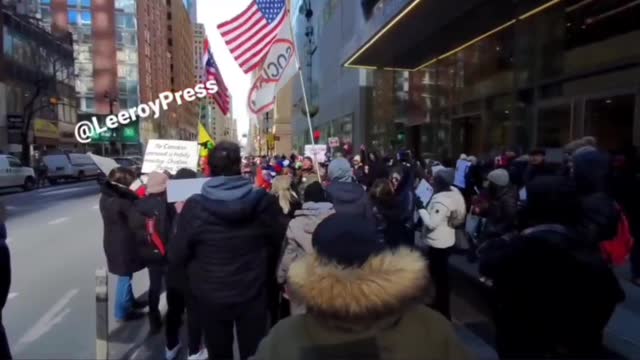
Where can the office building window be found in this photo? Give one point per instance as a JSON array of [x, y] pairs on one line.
[[86, 3], [73, 17], [85, 18]]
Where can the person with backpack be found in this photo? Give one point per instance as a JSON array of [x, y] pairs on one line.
[[553, 292], [153, 248]]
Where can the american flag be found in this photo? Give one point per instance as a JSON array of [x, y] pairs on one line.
[[250, 34], [212, 72]]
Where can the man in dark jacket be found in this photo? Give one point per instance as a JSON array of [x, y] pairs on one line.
[[226, 239], [5, 281], [600, 214], [347, 196], [503, 205], [537, 166], [554, 292]]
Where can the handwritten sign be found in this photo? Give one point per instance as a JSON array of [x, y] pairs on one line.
[[316, 152], [170, 155], [104, 164]]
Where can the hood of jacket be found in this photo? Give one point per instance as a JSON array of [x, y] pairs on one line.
[[345, 192], [455, 202], [311, 214], [231, 198], [383, 286], [590, 171]]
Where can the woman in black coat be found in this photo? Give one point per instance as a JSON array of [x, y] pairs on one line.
[[123, 226]]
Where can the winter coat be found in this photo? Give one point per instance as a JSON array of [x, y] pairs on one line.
[[552, 293], [123, 229], [502, 212], [299, 233], [350, 197], [225, 240], [155, 206], [446, 211], [304, 178], [600, 214], [368, 312]]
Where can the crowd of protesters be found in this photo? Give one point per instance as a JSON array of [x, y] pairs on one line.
[[305, 260]]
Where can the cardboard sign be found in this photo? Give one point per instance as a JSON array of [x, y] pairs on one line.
[[181, 190], [103, 163], [170, 155], [316, 152]]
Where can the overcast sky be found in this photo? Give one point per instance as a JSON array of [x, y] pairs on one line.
[[211, 13]]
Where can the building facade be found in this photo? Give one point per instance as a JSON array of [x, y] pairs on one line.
[[499, 75], [206, 106], [153, 55], [37, 95], [181, 43]]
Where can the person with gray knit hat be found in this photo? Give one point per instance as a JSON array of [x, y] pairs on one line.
[[502, 211], [347, 196], [446, 211]]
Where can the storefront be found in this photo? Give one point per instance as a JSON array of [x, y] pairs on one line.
[[542, 74]]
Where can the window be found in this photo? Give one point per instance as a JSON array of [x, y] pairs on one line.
[[73, 17], [45, 2], [85, 18], [13, 162], [6, 41], [85, 3], [72, 3]]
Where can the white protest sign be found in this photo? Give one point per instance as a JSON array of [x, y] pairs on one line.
[[316, 152], [334, 142], [181, 190], [170, 155], [278, 68], [424, 191], [462, 166], [103, 163]]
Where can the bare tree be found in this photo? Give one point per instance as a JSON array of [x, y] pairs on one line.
[[52, 76]]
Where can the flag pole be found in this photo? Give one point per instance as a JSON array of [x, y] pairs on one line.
[[304, 94]]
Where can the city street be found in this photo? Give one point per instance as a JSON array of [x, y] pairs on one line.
[[55, 237]]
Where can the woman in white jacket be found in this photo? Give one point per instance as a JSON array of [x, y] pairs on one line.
[[445, 212]]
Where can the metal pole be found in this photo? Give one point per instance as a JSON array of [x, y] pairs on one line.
[[102, 314]]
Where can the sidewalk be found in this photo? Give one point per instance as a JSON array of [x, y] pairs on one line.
[[621, 335]]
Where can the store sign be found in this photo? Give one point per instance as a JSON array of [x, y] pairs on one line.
[[45, 129]]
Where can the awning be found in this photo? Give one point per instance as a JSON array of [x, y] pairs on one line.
[[45, 129], [412, 34]]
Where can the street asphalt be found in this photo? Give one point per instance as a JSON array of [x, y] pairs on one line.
[[55, 238]]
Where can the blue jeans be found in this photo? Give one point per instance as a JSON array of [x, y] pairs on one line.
[[124, 297]]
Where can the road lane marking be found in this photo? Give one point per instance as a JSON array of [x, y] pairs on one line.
[[58, 220], [63, 191], [53, 316], [12, 295], [96, 207], [9, 240], [11, 207]]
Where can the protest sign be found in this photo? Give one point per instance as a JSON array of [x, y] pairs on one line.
[[334, 142], [181, 190], [170, 155], [424, 191], [316, 152], [462, 166], [103, 163]]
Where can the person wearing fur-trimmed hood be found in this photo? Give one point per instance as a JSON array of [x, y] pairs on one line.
[[363, 302]]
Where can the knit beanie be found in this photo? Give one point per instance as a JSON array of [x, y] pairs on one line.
[[346, 240], [185, 173], [499, 177], [445, 176], [314, 193], [340, 170], [157, 183]]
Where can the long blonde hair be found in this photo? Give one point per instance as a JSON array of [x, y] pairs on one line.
[[281, 188]]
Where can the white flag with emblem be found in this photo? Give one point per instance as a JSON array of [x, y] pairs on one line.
[[279, 66]]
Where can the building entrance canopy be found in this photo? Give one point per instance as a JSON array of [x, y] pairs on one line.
[[412, 34]]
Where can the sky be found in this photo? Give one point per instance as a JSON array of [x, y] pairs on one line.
[[211, 13]]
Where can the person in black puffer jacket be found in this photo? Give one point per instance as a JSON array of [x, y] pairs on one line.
[[600, 214], [123, 231], [554, 293], [226, 238]]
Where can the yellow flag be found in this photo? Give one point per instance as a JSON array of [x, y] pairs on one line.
[[203, 139]]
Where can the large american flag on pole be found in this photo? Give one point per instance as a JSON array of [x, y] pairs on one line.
[[212, 72], [250, 34]]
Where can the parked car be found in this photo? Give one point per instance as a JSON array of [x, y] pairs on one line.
[[14, 174], [69, 167], [124, 161]]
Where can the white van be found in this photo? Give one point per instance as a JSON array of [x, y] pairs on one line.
[[69, 166], [13, 174]]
